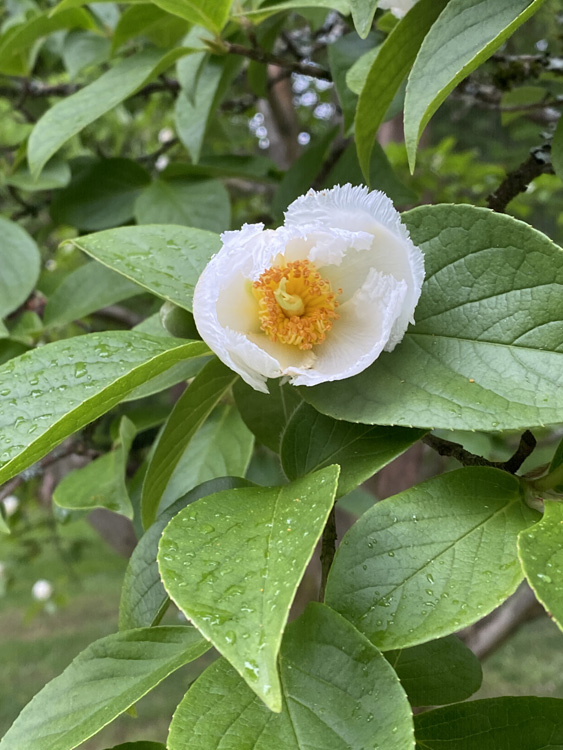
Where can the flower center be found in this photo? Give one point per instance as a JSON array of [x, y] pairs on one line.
[[295, 304]]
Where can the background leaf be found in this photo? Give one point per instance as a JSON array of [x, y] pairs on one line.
[[338, 693], [401, 573], [267, 414], [312, 441], [247, 550], [166, 260], [465, 35], [20, 262], [85, 290], [187, 416], [438, 672], [126, 665], [494, 724]]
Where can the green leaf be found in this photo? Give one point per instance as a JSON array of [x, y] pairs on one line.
[[85, 290], [493, 724], [210, 15], [388, 71], [257, 16], [439, 672], [101, 483], [401, 573], [154, 24], [312, 441], [541, 553], [94, 372], [4, 528], [465, 35], [70, 115], [486, 352], [20, 263], [82, 49], [247, 550], [342, 55], [166, 260], [55, 175], [221, 447], [193, 110], [194, 203], [101, 195], [143, 598], [189, 413], [16, 41], [139, 746], [363, 12], [338, 693], [100, 684], [557, 150], [267, 414]]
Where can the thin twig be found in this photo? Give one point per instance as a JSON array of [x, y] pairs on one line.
[[328, 550], [466, 458], [516, 182], [261, 56]]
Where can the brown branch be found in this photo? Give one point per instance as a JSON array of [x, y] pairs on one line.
[[455, 450], [328, 550], [516, 182], [267, 58]]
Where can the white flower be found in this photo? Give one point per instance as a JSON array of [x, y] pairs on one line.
[[42, 590], [398, 8], [11, 504], [317, 299]]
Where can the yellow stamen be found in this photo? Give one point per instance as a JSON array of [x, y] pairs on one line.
[[295, 304]]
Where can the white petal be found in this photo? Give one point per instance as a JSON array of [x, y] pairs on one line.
[[356, 209], [360, 334]]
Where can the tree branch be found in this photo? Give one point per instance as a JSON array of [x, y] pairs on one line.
[[466, 458], [516, 182]]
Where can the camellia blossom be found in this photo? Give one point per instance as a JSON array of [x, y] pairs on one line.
[[398, 8], [317, 299]]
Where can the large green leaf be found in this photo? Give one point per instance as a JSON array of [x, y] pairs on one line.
[[166, 260], [101, 683], [388, 71], [143, 598], [338, 693], [523, 723], [20, 263], [401, 574], [221, 447], [70, 115], [210, 15], [101, 195], [51, 392], [541, 553], [85, 290], [312, 441], [17, 41], [267, 414], [194, 203], [438, 672], [101, 483], [189, 413], [232, 563], [465, 35], [486, 351]]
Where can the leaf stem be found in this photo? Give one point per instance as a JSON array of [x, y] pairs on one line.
[[328, 550], [549, 481]]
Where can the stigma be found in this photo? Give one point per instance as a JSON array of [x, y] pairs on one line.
[[295, 304]]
